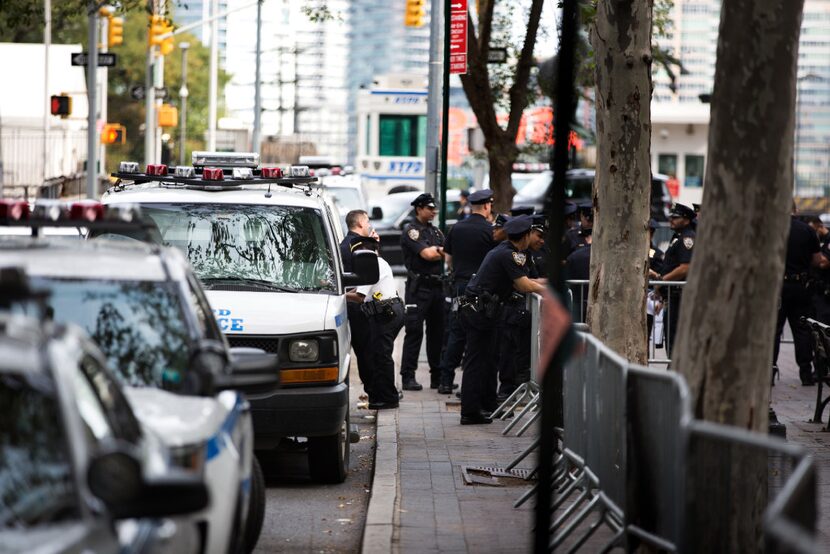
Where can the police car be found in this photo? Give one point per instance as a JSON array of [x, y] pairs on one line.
[[264, 244], [77, 471], [142, 306]]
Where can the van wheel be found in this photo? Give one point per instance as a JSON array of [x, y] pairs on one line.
[[256, 507], [328, 457]]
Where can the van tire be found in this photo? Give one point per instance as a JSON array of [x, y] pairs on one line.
[[256, 507], [328, 457]]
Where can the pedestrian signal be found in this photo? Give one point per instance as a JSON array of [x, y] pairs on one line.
[[115, 31], [415, 13], [61, 105], [113, 133], [159, 26]]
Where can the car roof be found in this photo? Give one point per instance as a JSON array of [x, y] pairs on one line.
[[90, 259], [153, 193]]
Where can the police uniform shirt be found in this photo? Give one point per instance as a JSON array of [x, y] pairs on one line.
[[415, 237], [578, 264], [502, 265], [346, 250], [574, 238], [680, 249], [384, 289], [468, 242], [801, 246]]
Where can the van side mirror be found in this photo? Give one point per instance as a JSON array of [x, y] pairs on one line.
[[377, 213], [252, 370], [365, 270], [116, 478]]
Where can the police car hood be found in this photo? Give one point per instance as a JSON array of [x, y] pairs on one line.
[[274, 313], [178, 420]]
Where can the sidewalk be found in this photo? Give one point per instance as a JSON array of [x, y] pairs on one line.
[[795, 406], [420, 502]]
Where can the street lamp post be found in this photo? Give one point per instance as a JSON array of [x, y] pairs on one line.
[[183, 93]]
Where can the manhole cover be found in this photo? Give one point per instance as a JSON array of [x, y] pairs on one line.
[[495, 476]]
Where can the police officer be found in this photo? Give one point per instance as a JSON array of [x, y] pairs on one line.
[[384, 311], [676, 263], [577, 237], [571, 221], [358, 223], [464, 209], [821, 274], [423, 255], [803, 252], [655, 264], [467, 244], [499, 234], [502, 271]]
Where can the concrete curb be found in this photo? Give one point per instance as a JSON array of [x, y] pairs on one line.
[[380, 518]]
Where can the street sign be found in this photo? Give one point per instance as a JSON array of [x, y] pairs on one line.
[[137, 92], [458, 36], [105, 59], [497, 55], [161, 93]]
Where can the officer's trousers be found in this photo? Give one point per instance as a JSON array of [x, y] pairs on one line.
[[383, 335], [456, 340], [795, 304], [673, 308], [479, 380], [430, 310], [361, 343]]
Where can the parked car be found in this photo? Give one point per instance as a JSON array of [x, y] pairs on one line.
[[266, 249], [78, 473], [579, 189], [393, 212], [145, 310]]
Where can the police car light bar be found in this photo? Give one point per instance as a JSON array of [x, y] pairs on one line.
[[225, 159], [214, 178]]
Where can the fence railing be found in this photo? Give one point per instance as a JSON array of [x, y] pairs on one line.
[[632, 456]]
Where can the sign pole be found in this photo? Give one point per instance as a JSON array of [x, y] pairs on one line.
[[433, 109], [92, 116], [455, 61]]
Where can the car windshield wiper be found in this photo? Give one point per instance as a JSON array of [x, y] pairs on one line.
[[211, 281]]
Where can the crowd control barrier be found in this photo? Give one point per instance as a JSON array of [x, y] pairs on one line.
[[632, 461]]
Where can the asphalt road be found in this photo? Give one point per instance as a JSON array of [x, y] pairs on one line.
[[304, 516]]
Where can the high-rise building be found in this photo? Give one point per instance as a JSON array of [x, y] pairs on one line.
[[193, 11]]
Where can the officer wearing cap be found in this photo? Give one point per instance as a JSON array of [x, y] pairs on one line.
[[464, 209], [578, 268], [577, 237], [467, 244], [570, 215], [521, 210], [503, 270], [384, 311], [423, 255], [676, 264], [499, 233]]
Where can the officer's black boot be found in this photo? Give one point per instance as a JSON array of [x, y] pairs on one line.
[[409, 383]]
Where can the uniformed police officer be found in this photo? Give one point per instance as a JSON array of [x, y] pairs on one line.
[[655, 264], [803, 252], [676, 264], [423, 254], [467, 244], [821, 275], [502, 271], [358, 223], [577, 237], [385, 312]]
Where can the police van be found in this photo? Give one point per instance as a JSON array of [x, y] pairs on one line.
[[264, 244]]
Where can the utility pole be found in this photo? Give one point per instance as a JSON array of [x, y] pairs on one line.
[[91, 120], [183, 93], [433, 99], [47, 43], [150, 99], [445, 121], [104, 74], [214, 76], [159, 84], [256, 140]]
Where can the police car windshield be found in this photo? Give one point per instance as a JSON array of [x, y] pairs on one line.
[[138, 325], [36, 483], [250, 244]]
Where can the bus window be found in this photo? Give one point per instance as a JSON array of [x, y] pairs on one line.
[[403, 135]]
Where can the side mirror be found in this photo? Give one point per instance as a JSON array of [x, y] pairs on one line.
[[377, 213], [252, 370], [365, 270], [116, 478], [208, 363]]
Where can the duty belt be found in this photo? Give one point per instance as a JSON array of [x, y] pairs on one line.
[[426, 279], [380, 307]]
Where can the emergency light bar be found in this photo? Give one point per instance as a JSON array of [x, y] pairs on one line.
[[225, 159], [214, 178]]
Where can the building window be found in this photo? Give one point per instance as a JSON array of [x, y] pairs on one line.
[[694, 171], [667, 164], [403, 135]]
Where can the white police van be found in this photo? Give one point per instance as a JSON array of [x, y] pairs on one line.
[[264, 244]]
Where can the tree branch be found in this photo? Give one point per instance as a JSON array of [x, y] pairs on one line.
[[485, 25], [518, 92], [476, 84]]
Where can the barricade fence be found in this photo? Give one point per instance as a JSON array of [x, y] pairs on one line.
[[633, 459]]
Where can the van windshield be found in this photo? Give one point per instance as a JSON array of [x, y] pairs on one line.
[[277, 248]]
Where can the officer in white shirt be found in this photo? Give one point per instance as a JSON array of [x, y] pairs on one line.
[[385, 311]]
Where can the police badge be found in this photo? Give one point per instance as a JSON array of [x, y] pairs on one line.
[[413, 234], [520, 258], [688, 242]]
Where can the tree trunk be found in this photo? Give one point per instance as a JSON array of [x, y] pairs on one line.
[[619, 252], [501, 160], [727, 323]]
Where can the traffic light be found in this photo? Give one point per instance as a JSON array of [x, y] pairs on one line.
[[113, 133], [115, 31], [168, 115], [160, 26], [61, 105], [415, 13]]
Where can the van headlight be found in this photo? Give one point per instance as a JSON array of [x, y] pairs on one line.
[[304, 350]]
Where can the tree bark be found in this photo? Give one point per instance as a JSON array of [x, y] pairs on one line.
[[619, 252], [727, 323]]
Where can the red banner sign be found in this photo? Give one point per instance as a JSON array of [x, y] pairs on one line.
[[458, 36]]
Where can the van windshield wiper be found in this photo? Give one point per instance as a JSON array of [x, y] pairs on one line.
[[210, 282]]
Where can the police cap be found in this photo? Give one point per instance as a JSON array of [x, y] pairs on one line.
[[465, 193], [518, 225], [500, 220], [481, 196], [521, 210], [539, 222], [586, 207], [422, 200], [681, 210], [570, 208]]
